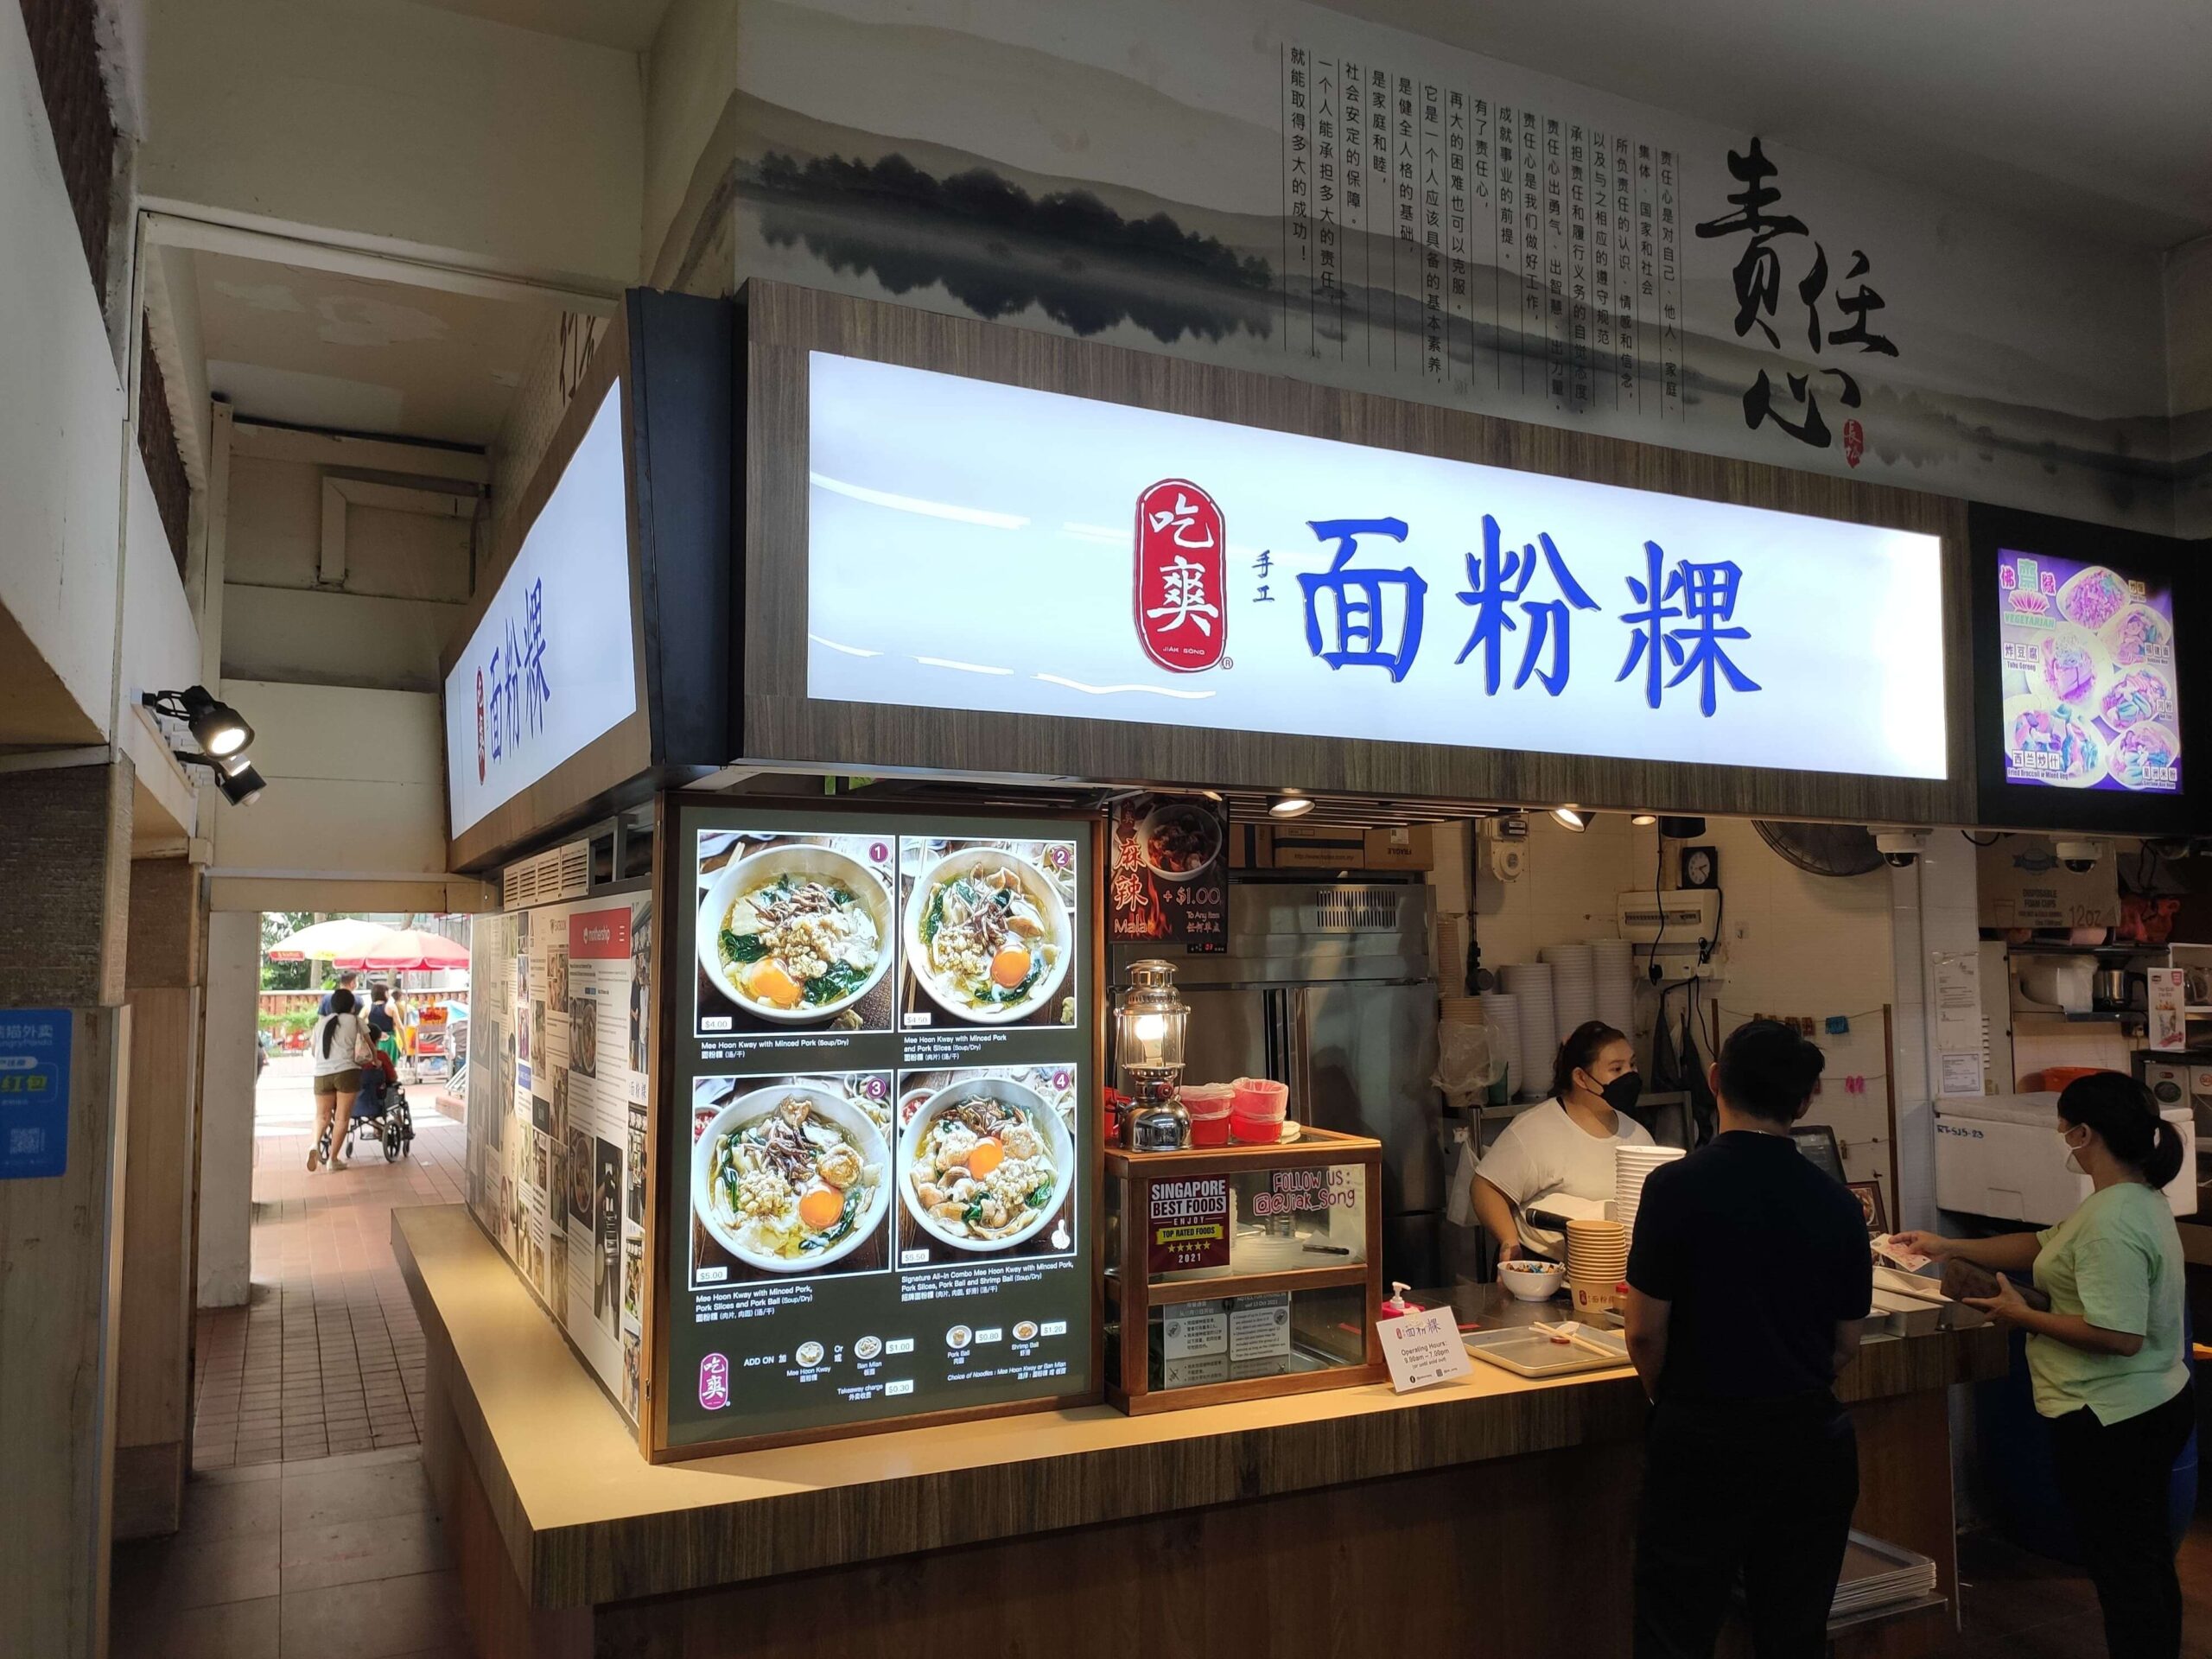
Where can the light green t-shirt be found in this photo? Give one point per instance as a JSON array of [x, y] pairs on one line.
[[2116, 1262]]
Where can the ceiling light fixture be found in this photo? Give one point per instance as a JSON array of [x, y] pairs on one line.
[[241, 787], [1290, 804], [1572, 817], [1644, 820], [215, 726]]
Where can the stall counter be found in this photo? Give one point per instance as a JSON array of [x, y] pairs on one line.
[[1490, 1504]]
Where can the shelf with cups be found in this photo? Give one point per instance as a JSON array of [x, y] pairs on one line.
[[1242, 1272]]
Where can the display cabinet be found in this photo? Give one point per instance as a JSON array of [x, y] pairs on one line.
[[1241, 1272]]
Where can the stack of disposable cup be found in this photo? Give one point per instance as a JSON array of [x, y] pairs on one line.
[[1531, 983], [1596, 1261], [1501, 1016], [1574, 991], [1613, 970], [1630, 1166]]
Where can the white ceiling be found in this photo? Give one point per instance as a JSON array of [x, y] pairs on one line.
[[627, 25], [315, 348], [2096, 112]]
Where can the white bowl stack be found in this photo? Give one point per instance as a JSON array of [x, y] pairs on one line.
[[1531, 982], [1575, 988], [1500, 1012], [1613, 970], [1631, 1164]]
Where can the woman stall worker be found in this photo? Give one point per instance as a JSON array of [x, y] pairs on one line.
[[1565, 1145], [2106, 1361]]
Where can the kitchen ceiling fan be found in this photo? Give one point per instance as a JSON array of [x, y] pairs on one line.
[[1823, 848]]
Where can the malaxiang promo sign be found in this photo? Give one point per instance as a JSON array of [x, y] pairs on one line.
[[550, 666], [979, 546]]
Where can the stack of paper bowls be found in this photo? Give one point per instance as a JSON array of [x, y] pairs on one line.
[[1630, 1166], [1612, 972], [1500, 1012], [1574, 989], [1596, 1261], [1531, 982]]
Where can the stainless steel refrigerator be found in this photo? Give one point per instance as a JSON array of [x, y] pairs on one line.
[[1326, 987]]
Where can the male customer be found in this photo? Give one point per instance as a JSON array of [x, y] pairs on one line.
[[1747, 1279], [346, 977]]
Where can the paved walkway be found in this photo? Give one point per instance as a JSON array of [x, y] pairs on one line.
[[309, 1528]]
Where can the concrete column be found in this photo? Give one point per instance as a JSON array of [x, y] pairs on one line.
[[153, 1448], [65, 874], [226, 1108]]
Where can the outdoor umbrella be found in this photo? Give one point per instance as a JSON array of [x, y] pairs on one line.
[[405, 950], [327, 941]]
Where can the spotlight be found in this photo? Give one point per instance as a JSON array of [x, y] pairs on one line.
[[1290, 804], [241, 786], [232, 764], [216, 726], [1572, 817], [1644, 820]]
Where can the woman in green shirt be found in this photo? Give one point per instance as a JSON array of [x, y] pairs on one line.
[[2107, 1359]]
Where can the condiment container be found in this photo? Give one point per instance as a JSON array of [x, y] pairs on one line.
[[1261, 1097], [1208, 1104]]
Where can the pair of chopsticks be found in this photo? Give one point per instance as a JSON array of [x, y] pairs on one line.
[[1571, 1330]]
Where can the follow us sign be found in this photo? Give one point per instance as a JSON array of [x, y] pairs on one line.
[[979, 546]]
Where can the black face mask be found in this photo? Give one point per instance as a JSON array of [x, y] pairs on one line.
[[1622, 1092]]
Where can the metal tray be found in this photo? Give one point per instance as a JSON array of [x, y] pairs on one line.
[[1528, 1353]]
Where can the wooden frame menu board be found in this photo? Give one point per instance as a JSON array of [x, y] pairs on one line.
[[876, 1170], [1233, 1330]]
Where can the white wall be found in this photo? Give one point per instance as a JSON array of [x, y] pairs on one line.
[[161, 641], [226, 1108], [413, 125], [62, 421], [356, 783], [689, 75]]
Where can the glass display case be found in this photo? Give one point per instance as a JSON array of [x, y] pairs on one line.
[[1238, 1272]]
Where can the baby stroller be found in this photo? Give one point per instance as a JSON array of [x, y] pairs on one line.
[[380, 1113]]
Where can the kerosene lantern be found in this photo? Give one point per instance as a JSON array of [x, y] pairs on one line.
[[1148, 1035]]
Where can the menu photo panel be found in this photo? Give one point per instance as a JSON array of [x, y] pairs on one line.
[[881, 1166]]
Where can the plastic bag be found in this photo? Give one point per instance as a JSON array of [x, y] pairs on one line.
[[1466, 1067]]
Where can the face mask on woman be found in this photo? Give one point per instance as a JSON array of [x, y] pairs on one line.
[[2073, 1152], [1621, 1093]]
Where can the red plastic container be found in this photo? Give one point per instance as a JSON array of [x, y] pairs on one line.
[[1209, 1131], [1253, 1131]]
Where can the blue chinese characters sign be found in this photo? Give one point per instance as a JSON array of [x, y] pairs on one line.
[[969, 547], [33, 1092]]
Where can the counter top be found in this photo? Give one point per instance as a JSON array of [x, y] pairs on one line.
[[586, 1520]]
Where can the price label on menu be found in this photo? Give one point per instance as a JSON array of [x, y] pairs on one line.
[[1423, 1348]]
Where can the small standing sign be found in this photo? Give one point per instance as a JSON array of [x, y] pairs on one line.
[[1423, 1348], [33, 1092]]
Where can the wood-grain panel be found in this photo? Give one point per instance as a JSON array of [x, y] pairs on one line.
[[1525, 1555], [778, 723], [60, 1248], [584, 1520]]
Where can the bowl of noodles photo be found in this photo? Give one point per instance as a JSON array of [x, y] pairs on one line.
[[987, 936], [795, 933], [1176, 840], [985, 1164], [790, 1178], [2048, 744]]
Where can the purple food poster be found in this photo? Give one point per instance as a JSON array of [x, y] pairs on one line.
[[2089, 676]]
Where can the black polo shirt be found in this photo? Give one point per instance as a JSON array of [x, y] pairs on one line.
[[1760, 1254]]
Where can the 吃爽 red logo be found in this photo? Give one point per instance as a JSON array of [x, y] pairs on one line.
[[1182, 566]]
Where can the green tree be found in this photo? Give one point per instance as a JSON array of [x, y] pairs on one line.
[[283, 975]]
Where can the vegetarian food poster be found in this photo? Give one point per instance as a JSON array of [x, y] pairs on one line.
[[2089, 676], [881, 1190], [1169, 880]]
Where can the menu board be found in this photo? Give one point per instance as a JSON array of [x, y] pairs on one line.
[[2090, 697], [557, 1116], [881, 1187]]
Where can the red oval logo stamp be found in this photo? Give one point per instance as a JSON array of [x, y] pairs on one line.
[[1182, 577]]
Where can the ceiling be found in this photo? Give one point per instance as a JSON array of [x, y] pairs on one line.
[[315, 348], [2098, 115], [627, 25]]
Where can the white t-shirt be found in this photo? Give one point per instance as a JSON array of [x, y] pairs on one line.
[[1544, 1151], [340, 1057]]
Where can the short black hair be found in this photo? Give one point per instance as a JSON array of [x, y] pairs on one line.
[[1769, 1070]]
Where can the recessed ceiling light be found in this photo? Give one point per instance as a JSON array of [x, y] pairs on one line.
[[1290, 804], [1572, 817]]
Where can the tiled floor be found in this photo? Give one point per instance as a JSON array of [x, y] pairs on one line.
[[308, 1529], [326, 1358], [2021, 1606]]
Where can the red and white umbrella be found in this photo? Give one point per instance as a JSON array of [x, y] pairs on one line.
[[406, 951], [345, 936]]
